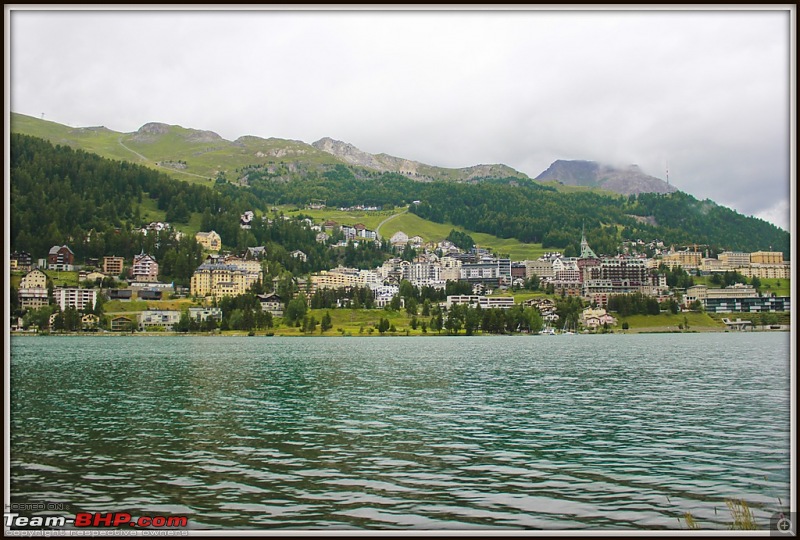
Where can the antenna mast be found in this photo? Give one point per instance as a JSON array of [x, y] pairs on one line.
[[667, 165]]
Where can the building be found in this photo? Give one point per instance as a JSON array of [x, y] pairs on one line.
[[145, 268], [121, 323], [120, 294], [593, 318], [686, 259], [32, 291], [297, 254], [112, 266], [230, 278], [710, 264], [90, 321], [255, 253], [486, 270], [485, 302], [734, 259], [566, 269], [703, 293], [738, 324], [766, 257], [79, 299], [149, 294], [621, 275], [151, 285], [22, 261], [586, 251], [541, 267], [767, 271], [94, 277], [748, 305], [60, 258], [518, 270], [399, 239], [200, 314], [210, 241], [336, 278], [271, 303], [158, 318]]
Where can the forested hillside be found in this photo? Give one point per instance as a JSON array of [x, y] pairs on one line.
[[65, 196], [60, 195]]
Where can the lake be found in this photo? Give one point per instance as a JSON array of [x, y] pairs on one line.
[[596, 432]]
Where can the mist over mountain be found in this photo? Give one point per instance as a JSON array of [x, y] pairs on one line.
[[626, 181]]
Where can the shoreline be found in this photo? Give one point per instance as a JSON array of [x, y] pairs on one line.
[[630, 331]]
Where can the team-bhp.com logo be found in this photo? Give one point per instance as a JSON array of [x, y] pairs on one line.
[[89, 519]]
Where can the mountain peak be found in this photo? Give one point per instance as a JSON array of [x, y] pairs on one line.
[[349, 153], [153, 130], [626, 181]]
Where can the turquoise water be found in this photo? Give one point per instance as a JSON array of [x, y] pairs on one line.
[[531, 432]]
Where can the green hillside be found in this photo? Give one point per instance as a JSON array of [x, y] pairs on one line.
[[413, 225], [200, 156], [185, 154]]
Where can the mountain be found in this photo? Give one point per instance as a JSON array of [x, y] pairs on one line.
[[194, 155], [413, 169], [60, 195], [627, 181], [200, 155]]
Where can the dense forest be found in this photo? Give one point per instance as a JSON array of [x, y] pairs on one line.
[[65, 196]]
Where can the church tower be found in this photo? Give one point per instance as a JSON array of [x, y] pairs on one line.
[[586, 251]]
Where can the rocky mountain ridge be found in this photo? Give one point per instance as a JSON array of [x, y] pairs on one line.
[[204, 153], [630, 180]]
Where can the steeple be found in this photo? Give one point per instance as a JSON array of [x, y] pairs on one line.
[[586, 251]]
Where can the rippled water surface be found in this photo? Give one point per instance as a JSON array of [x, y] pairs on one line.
[[567, 432]]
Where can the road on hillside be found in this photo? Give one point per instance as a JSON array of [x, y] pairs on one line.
[[378, 228], [132, 151]]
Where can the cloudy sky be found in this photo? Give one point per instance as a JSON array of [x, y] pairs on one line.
[[704, 93]]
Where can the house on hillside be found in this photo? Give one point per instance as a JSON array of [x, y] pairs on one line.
[[21, 260], [60, 258], [145, 268], [112, 265], [399, 239], [209, 240]]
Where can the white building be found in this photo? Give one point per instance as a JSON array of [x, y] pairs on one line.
[[485, 302], [399, 239], [162, 318], [75, 298]]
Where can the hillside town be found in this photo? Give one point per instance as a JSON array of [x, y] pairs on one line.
[[476, 277]]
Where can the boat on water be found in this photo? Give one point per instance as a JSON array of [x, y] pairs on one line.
[[547, 332]]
